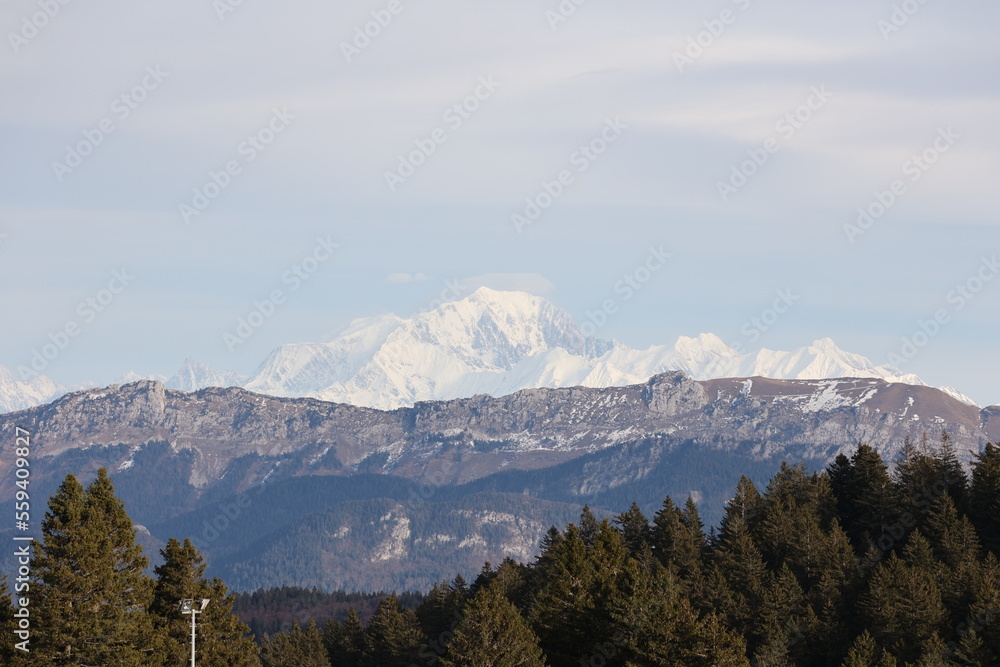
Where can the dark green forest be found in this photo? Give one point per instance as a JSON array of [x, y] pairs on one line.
[[855, 565]]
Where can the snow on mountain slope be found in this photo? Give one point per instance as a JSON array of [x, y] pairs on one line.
[[822, 359], [302, 369], [496, 343], [488, 342], [17, 395]]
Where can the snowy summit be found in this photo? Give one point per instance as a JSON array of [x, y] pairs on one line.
[[496, 343]]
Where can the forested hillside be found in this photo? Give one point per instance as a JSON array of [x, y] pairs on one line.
[[855, 565], [851, 566]]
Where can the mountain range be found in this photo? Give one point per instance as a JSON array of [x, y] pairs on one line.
[[490, 342], [277, 490]]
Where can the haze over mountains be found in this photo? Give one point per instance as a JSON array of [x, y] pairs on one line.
[[490, 342]]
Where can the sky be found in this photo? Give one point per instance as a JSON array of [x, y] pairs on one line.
[[171, 168]]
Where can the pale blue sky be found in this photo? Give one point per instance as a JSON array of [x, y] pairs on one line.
[[656, 184]]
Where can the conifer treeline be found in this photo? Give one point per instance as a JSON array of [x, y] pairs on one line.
[[272, 610], [850, 566]]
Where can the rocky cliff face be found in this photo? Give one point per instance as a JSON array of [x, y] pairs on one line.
[[474, 437]]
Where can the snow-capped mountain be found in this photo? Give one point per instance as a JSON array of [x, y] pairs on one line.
[[490, 342], [496, 343], [16, 394], [195, 375], [487, 343]]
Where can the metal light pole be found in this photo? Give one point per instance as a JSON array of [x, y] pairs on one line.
[[193, 607]]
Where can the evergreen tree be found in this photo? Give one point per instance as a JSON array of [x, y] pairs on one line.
[[952, 473], [870, 503], [866, 653], [493, 634], [742, 509], [609, 558], [903, 606], [934, 653], [549, 546], [839, 473], [298, 647], [333, 639], [678, 541], [739, 580], [692, 521], [833, 597], [980, 628], [951, 536], [345, 642], [7, 637], [393, 637], [917, 475], [459, 587], [955, 544], [90, 591], [781, 582], [635, 529], [786, 623], [790, 530], [984, 497], [657, 626], [564, 604], [440, 613], [431, 613], [223, 639], [588, 526], [511, 579], [972, 651], [924, 476], [484, 577]]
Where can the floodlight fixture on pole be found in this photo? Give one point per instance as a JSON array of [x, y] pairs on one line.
[[193, 607]]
